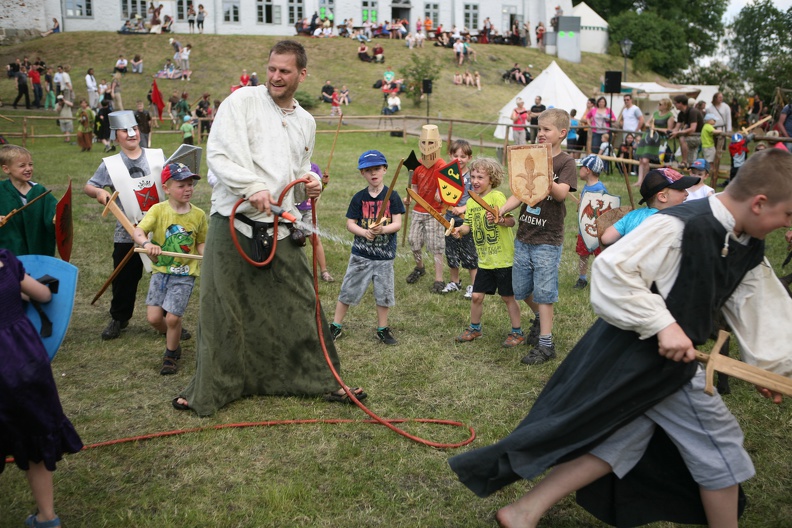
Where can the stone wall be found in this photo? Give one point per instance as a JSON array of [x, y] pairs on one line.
[[21, 20]]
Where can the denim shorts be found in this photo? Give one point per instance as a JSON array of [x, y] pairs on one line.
[[535, 271], [170, 292], [360, 273]]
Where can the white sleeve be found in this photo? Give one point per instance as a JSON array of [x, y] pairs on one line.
[[758, 313], [623, 275]]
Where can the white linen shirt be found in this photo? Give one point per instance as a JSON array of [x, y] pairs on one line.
[[255, 146], [758, 311]]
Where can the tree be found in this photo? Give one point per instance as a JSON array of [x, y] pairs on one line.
[[652, 37], [421, 67], [700, 22], [760, 31], [715, 73], [774, 72]]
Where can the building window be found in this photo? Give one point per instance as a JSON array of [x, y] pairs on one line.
[[296, 11], [231, 10], [266, 13], [79, 8], [433, 12], [130, 8], [369, 12], [181, 9], [326, 7], [472, 16]]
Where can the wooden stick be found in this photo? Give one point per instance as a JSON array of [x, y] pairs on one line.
[[188, 256], [577, 200], [111, 206], [431, 210], [476, 197], [332, 149], [7, 217], [629, 188], [719, 363], [113, 275], [386, 201], [760, 122]]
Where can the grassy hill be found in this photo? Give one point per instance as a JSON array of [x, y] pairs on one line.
[[218, 60]]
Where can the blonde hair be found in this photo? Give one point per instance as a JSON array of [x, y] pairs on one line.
[[665, 103], [767, 172], [558, 117], [10, 153], [490, 167]]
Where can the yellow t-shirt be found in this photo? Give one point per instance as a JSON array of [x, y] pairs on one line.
[[494, 243], [178, 233]]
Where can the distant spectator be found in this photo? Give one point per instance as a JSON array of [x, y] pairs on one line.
[[477, 80], [93, 89], [55, 28], [519, 117], [458, 78], [85, 126], [536, 109], [121, 65], [137, 64], [185, 62], [244, 79], [64, 109], [393, 104], [22, 87], [115, 92], [35, 82], [468, 78], [66, 87], [379, 54], [540, 32], [254, 80], [191, 17], [344, 95], [177, 49], [327, 92], [722, 113], [363, 53], [200, 18]]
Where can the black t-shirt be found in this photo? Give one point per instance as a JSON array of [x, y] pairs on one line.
[[537, 109], [327, 90], [694, 116]]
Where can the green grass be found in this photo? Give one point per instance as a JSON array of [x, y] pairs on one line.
[[318, 475]]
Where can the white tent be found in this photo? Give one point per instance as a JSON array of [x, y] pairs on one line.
[[555, 88], [593, 29]]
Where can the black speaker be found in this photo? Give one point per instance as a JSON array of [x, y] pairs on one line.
[[427, 86], [613, 82]]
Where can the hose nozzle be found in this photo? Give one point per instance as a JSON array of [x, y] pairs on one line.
[[279, 211]]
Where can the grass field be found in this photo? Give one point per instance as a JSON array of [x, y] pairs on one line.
[[319, 475]]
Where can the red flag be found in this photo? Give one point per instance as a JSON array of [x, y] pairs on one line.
[[156, 98]]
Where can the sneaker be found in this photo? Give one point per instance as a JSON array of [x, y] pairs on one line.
[[532, 339], [335, 331], [469, 292], [452, 287], [513, 339], [580, 284], [416, 274], [386, 336], [113, 329], [438, 287], [539, 354], [468, 335]]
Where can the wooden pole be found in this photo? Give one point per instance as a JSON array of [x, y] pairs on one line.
[[24, 131]]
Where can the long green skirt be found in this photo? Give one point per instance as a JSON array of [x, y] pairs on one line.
[[257, 332]]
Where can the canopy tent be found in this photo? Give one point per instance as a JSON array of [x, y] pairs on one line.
[[593, 29], [555, 88]]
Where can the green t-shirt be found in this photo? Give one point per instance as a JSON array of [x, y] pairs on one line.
[[494, 243], [179, 233], [707, 138], [187, 128]]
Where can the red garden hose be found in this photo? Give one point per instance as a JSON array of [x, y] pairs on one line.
[[375, 419]]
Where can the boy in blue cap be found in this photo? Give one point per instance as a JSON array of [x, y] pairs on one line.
[[176, 226], [699, 169], [374, 247], [590, 168]]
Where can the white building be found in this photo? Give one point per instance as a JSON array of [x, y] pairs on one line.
[[276, 17]]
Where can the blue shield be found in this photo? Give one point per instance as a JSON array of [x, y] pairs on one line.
[[59, 309]]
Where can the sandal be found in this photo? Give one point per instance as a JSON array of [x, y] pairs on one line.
[[342, 397], [180, 406], [327, 277], [31, 521]]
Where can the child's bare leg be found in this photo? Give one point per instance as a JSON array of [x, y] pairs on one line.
[[514, 310], [472, 273], [643, 168], [476, 307], [438, 264], [454, 272], [320, 254], [560, 482], [531, 304], [382, 316], [156, 318], [583, 265], [173, 334], [40, 481], [340, 312], [721, 506], [545, 319], [418, 256]]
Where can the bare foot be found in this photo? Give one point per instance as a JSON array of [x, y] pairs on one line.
[[180, 404], [512, 517]]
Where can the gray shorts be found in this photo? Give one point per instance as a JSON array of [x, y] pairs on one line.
[[705, 432], [170, 292], [424, 229], [362, 271]]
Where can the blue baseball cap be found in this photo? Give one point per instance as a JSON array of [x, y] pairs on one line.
[[371, 158], [700, 164], [177, 172], [593, 163]]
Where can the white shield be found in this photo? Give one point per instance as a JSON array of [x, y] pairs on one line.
[[592, 205]]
